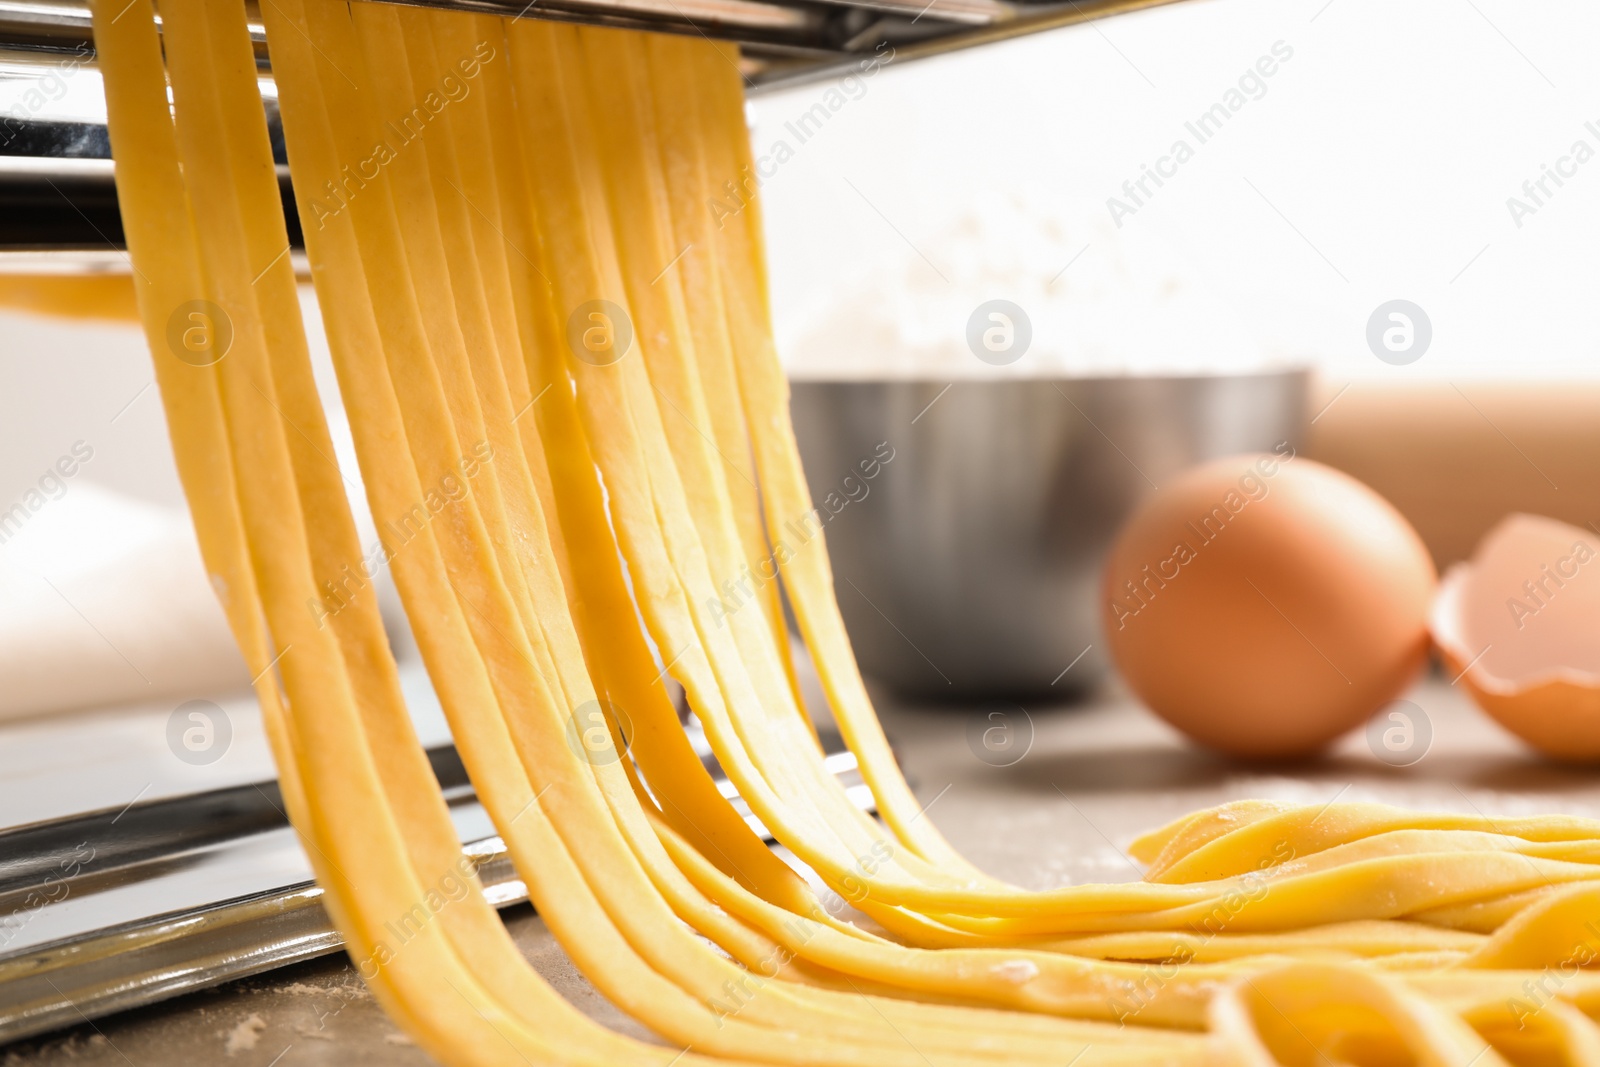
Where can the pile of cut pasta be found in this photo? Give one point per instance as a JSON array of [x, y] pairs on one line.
[[572, 435]]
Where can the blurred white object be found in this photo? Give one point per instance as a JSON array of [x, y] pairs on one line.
[[1096, 304], [1301, 216], [104, 600]]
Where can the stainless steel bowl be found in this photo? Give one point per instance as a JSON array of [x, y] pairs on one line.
[[968, 521]]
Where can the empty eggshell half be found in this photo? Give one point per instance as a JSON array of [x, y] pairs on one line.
[[1520, 626]]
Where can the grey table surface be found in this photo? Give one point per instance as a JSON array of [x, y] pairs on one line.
[[1098, 771]]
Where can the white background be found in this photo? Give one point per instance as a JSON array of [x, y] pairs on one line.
[[1390, 142]]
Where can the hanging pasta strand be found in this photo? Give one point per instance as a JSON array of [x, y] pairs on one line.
[[230, 404]]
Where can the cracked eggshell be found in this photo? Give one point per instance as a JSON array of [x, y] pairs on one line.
[[1520, 625]]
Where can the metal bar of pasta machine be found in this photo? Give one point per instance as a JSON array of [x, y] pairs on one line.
[[56, 188], [116, 909]]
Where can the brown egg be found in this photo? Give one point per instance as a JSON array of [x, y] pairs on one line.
[[1520, 626], [1265, 604]]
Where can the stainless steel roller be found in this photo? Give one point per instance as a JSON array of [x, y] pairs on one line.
[[56, 190]]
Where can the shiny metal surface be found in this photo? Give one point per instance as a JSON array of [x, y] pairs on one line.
[[69, 203], [969, 566], [116, 909], [788, 34], [75, 260], [52, 114], [1021, 20]]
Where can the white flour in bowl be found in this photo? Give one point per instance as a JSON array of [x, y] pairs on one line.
[[1099, 301]]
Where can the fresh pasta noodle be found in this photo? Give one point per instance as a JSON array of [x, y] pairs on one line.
[[580, 432]]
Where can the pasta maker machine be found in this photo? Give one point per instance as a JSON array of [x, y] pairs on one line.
[[125, 906], [89, 922], [56, 189]]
